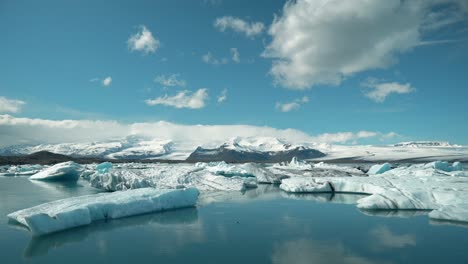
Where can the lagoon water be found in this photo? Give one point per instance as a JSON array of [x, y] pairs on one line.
[[264, 225]]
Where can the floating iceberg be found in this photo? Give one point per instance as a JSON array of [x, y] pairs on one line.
[[444, 166], [167, 176], [326, 166], [21, 170], [379, 168], [408, 190], [262, 174], [65, 171], [83, 210], [104, 167]]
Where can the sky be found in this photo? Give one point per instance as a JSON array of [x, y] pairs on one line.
[[348, 72]]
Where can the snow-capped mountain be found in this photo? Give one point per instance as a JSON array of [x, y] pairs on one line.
[[128, 148], [257, 149], [423, 144], [246, 149]]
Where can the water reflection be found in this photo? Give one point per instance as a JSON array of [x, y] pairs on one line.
[[341, 198], [383, 237], [305, 251], [395, 213], [187, 217]]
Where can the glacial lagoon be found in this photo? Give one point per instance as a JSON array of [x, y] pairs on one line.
[[262, 225]]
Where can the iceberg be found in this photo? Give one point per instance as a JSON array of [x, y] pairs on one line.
[[21, 170], [167, 176], [83, 210], [262, 174], [409, 189], [65, 171], [379, 168], [104, 167], [444, 166]]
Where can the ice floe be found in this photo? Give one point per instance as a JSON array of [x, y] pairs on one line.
[[83, 210], [379, 168], [168, 176], [65, 171], [20, 170], [417, 187]]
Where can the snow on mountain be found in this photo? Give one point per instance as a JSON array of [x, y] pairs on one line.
[[422, 144], [131, 147], [246, 149], [394, 153], [255, 149]]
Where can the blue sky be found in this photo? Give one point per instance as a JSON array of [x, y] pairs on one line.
[[56, 54]]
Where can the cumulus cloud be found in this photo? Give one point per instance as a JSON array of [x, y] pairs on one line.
[[294, 105], [10, 105], [172, 80], [378, 91], [107, 81], [352, 137], [321, 42], [250, 29], [183, 99], [235, 55], [223, 96], [143, 41]]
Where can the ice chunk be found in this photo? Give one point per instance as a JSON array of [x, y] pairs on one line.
[[447, 195], [444, 166], [457, 212], [295, 164], [305, 185], [65, 171], [325, 166], [83, 210], [104, 167], [21, 170], [167, 176], [379, 168]]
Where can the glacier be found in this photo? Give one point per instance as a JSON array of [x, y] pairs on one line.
[[65, 171], [83, 210]]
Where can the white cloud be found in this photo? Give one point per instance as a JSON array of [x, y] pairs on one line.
[[318, 42], [223, 96], [143, 41], [17, 130], [235, 55], [184, 99], [378, 91], [10, 105], [107, 81], [211, 59], [294, 105], [27, 131], [170, 80], [351, 137], [251, 29]]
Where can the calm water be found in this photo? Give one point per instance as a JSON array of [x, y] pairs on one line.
[[261, 226]]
